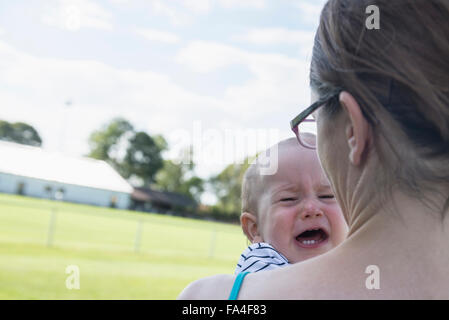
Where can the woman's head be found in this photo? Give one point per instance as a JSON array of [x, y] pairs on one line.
[[398, 77]]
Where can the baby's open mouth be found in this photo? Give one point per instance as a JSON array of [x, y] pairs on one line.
[[312, 238]]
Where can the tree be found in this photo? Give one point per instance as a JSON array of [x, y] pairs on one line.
[[194, 187], [135, 155], [228, 186], [19, 132], [170, 177], [160, 141], [143, 158], [103, 141], [178, 176]]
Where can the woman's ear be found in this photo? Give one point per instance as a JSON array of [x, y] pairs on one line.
[[250, 228], [357, 131]]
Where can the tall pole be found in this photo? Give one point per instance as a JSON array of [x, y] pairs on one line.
[[51, 227], [138, 238], [213, 237]]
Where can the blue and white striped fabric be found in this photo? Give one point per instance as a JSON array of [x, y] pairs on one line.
[[258, 257]]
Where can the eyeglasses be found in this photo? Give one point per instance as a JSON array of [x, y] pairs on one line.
[[305, 122]]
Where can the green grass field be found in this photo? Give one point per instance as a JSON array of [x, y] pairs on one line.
[[114, 262]]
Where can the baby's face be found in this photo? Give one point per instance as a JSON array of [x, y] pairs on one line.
[[298, 214]]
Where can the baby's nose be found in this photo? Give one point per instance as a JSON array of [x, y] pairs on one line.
[[310, 211]]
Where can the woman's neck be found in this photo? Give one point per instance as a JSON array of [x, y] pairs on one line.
[[407, 240], [401, 217]]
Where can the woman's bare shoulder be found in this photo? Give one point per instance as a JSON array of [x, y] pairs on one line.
[[217, 287]]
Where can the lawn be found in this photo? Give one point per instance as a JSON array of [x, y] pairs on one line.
[[120, 254]]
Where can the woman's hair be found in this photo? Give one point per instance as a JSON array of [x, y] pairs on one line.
[[399, 74]]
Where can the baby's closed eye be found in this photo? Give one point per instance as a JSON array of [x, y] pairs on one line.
[[326, 196], [288, 199]]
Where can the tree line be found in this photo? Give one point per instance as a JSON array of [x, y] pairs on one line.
[[137, 156]]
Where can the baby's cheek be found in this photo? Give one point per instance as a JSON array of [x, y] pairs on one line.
[[281, 224]]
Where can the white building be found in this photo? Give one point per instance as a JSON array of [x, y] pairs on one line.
[[34, 172]]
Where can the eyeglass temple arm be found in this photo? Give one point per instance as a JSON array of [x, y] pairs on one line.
[[300, 117]]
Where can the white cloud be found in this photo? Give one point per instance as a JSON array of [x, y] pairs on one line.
[[2, 31], [177, 16], [272, 36], [280, 36], [157, 35], [309, 11], [76, 14], [278, 81], [183, 12], [197, 6], [205, 57], [258, 4]]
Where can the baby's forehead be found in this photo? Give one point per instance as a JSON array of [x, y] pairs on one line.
[[289, 154], [294, 163], [290, 158]]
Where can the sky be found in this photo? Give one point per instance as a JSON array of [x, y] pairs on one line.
[[225, 76]]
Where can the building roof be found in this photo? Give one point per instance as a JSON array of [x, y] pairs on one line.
[[163, 197], [35, 162]]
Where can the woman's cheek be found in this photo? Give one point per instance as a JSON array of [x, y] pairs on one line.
[[338, 224]]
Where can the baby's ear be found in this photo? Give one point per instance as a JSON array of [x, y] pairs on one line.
[[250, 228]]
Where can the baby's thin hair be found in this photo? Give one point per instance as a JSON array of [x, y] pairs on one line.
[[251, 181]]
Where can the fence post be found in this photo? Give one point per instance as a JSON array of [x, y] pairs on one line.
[[213, 237], [138, 238], [51, 227]]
